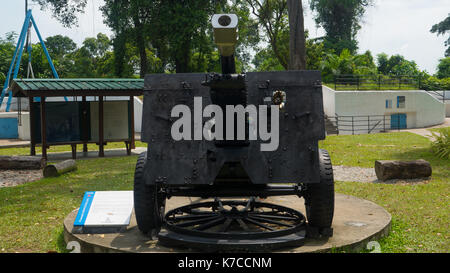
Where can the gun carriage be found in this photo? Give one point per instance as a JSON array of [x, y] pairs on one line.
[[234, 165]]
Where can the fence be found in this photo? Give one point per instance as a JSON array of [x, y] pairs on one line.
[[443, 96], [346, 125], [375, 82]]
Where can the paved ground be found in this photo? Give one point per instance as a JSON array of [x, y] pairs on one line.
[[13, 143], [355, 223], [424, 131]]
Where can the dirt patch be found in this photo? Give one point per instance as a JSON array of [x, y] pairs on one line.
[[10, 178]]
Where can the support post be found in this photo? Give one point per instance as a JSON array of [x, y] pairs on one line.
[[17, 51], [74, 151], [85, 123], [100, 127], [132, 144], [337, 123], [32, 127], [43, 129], [353, 127]]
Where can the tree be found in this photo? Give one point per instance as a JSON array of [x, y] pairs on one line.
[[59, 45], [347, 64], [443, 69], [173, 28], [265, 59], [340, 19], [60, 49], [441, 29], [97, 46], [272, 16], [64, 11], [297, 40], [396, 65], [7, 46]]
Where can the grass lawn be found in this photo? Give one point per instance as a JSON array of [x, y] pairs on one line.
[[65, 148], [31, 215]]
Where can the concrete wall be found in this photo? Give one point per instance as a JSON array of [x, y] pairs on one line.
[[24, 127], [329, 101], [137, 114], [8, 125], [422, 109]]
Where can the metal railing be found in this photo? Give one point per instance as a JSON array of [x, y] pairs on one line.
[[363, 124], [443, 95], [375, 82]]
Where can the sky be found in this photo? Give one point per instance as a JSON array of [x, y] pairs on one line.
[[390, 26]]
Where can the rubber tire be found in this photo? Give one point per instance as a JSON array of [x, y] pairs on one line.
[[148, 206], [319, 197]]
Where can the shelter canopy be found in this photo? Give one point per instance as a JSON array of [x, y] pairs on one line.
[[76, 87]]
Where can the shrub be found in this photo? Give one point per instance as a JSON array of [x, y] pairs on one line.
[[441, 145], [433, 83]]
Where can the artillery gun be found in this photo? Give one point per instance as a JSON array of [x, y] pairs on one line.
[[202, 134]]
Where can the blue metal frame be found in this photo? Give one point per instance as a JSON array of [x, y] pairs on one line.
[[18, 56]]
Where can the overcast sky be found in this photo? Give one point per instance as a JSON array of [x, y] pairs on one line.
[[390, 26]]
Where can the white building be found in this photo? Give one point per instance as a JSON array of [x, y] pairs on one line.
[[360, 112]]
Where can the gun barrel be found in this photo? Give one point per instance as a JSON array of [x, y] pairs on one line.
[[225, 37]]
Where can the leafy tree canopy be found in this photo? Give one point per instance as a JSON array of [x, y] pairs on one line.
[[443, 69], [59, 45], [396, 65], [65, 11], [441, 29], [341, 21]]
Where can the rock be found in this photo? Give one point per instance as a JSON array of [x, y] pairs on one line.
[[391, 169]]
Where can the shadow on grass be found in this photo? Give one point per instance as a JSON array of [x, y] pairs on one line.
[[61, 243]]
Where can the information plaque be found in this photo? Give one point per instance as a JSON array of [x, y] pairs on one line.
[[104, 212]]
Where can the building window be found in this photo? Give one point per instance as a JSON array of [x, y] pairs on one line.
[[388, 104], [401, 102]]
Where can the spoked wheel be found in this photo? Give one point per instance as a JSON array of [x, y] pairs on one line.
[[232, 224]]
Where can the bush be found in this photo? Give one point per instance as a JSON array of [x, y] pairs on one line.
[[441, 145], [433, 83]]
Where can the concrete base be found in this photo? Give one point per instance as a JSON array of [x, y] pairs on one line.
[[356, 222]]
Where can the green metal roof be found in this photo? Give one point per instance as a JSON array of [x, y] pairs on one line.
[[77, 87]]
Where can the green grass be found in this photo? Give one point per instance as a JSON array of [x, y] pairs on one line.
[[371, 87], [437, 130], [65, 148], [420, 212], [31, 215]]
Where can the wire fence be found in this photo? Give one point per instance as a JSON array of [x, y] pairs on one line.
[[375, 82]]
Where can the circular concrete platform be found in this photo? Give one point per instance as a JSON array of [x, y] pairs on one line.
[[356, 222]]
